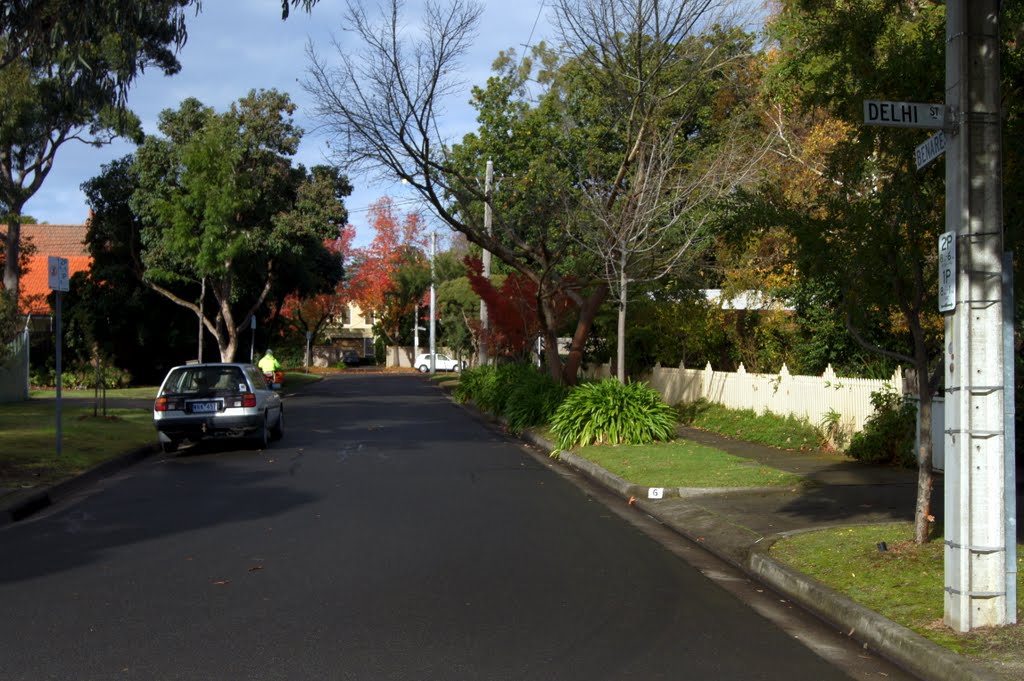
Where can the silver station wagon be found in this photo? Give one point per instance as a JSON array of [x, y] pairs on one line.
[[200, 401]]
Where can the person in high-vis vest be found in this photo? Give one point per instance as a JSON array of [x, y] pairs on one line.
[[268, 364]]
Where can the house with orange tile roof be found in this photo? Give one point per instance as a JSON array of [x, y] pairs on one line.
[[65, 241]]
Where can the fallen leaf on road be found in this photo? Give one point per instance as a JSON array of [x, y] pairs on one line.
[[222, 582], [254, 568]]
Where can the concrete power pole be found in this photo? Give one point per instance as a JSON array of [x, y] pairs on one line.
[[433, 306], [484, 322], [976, 566]]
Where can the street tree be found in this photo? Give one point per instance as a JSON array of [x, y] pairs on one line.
[[65, 70], [308, 310], [141, 331], [384, 107], [864, 219], [389, 277], [222, 205]]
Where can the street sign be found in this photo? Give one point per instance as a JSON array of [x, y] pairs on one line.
[[904, 114], [930, 149], [57, 269], [947, 272]]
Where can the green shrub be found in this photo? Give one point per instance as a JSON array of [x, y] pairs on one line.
[[475, 385], [533, 400], [888, 435], [519, 392], [609, 412], [81, 375]]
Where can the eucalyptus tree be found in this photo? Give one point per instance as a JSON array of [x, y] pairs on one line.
[[222, 206]]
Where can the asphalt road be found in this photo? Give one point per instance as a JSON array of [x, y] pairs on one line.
[[390, 535]]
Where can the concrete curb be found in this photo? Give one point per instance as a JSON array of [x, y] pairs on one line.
[[32, 501]]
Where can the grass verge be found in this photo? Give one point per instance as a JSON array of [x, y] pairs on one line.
[[681, 463], [143, 392], [783, 432], [29, 443], [904, 583]]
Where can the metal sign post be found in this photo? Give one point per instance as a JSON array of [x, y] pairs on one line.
[[309, 342], [252, 338], [57, 272]]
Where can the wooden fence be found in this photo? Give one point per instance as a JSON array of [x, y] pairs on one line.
[[14, 371], [811, 397]]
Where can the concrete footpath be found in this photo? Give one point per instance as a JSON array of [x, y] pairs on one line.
[[737, 525]]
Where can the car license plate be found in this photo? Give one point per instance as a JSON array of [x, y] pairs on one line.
[[204, 407]]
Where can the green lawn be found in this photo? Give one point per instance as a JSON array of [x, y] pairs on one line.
[[28, 440], [681, 463], [144, 392], [904, 583], [782, 432]]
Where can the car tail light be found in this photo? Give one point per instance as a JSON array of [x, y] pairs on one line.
[[248, 400], [167, 404]]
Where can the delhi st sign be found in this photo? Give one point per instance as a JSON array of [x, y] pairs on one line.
[[904, 114]]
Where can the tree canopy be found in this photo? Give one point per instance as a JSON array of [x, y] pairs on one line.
[[65, 70], [222, 204]]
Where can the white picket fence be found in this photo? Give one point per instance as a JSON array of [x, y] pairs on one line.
[[809, 397]]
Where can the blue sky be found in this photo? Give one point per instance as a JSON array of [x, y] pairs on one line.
[[231, 51]]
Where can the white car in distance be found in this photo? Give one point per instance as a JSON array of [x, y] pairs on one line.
[[441, 363]]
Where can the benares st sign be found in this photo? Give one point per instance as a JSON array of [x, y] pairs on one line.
[[904, 114]]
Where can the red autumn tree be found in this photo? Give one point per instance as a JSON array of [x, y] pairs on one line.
[[313, 313], [375, 283], [514, 322]]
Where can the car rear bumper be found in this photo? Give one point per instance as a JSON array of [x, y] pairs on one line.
[[197, 427]]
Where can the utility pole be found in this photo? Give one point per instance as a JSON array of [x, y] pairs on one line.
[[484, 321], [433, 306], [976, 552], [416, 333]]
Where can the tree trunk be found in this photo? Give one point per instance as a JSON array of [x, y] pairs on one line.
[[591, 305], [550, 335], [923, 518], [228, 345], [12, 252], [925, 477]]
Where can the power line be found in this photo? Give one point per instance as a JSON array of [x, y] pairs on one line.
[[529, 41]]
